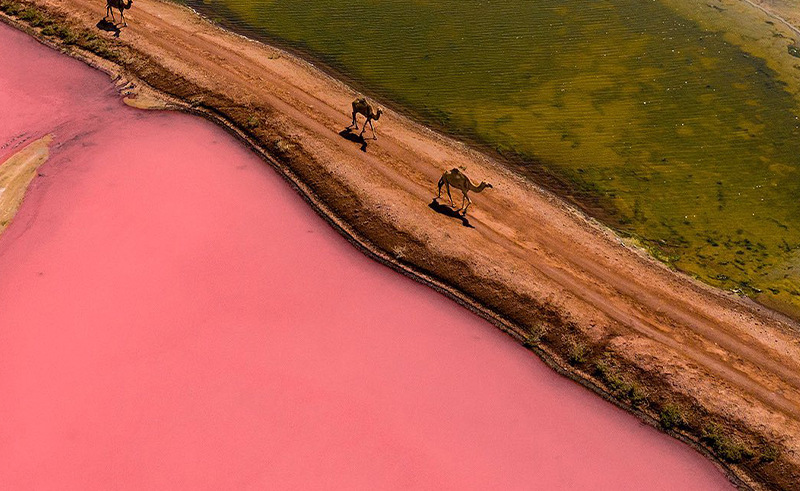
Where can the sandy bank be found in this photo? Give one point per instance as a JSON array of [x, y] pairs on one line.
[[16, 173], [607, 315]]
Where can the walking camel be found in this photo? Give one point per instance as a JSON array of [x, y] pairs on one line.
[[119, 5], [361, 106], [458, 180]]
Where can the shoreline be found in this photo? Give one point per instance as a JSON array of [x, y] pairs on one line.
[[545, 351]]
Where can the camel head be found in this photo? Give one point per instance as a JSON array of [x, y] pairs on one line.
[[378, 114], [129, 4], [485, 185]]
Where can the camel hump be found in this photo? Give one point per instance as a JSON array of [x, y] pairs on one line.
[[455, 170]]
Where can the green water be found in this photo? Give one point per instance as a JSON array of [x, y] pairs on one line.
[[688, 143]]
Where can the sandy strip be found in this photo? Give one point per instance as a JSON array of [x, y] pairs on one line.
[[16, 174], [595, 309]]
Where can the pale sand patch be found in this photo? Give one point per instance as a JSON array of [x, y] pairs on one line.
[[16, 174]]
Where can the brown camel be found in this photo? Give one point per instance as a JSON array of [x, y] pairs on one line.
[[119, 5], [458, 180], [361, 106]]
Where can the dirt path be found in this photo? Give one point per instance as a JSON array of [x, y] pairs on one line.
[[776, 11], [530, 260]]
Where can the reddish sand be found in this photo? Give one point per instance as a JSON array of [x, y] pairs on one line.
[[172, 315]]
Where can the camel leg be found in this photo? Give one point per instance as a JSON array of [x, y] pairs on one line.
[[374, 136], [112, 15], [364, 128], [355, 122], [441, 183], [122, 15], [469, 202], [447, 185]]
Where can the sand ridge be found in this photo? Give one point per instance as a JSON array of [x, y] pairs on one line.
[[553, 277]]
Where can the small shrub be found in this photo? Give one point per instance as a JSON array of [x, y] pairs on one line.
[[282, 147], [537, 333], [769, 454], [670, 417], [636, 395], [29, 15], [723, 446], [11, 8], [615, 382], [601, 369], [66, 35], [620, 387], [577, 352]]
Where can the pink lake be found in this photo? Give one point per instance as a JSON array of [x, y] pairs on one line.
[[174, 316]]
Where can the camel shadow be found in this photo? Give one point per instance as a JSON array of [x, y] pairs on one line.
[[108, 26], [348, 134], [448, 212]]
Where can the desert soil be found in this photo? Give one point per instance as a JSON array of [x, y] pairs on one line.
[[594, 307]]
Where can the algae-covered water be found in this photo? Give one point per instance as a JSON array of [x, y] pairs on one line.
[[688, 142]]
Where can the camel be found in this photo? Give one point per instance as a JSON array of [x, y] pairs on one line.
[[458, 180], [361, 106], [119, 5]]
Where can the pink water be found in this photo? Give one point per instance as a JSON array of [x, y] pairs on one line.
[[172, 315]]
